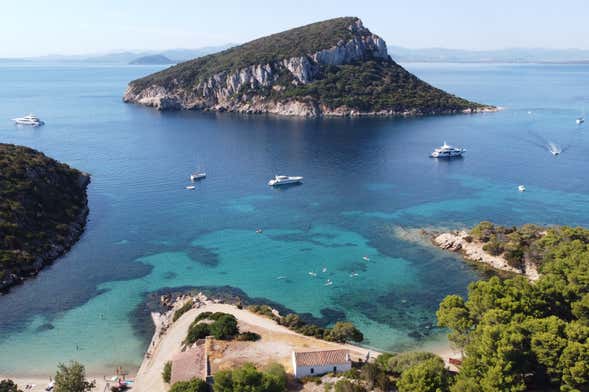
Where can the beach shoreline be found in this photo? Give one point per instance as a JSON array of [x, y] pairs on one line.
[[168, 336]]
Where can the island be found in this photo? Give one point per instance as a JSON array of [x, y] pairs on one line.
[[43, 211], [335, 67], [155, 59]]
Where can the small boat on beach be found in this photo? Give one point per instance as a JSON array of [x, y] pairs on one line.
[[50, 386], [285, 180]]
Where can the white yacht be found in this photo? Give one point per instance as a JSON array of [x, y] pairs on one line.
[[31, 119], [580, 120], [198, 176], [521, 188], [447, 151], [284, 180]]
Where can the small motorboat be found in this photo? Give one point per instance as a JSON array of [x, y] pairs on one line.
[[324, 270], [190, 187], [259, 231], [353, 274], [580, 120], [281, 277], [521, 188], [285, 180], [328, 282], [366, 258], [198, 176], [312, 273]]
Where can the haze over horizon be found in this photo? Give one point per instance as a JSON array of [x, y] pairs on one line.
[[64, 27]]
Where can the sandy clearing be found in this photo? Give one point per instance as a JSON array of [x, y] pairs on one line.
[[276, 345]]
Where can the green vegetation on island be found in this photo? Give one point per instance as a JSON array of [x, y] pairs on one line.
[[297, 42], [333, 67], [43, 209], [518, 335]]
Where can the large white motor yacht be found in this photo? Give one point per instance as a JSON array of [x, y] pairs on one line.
[[284, 180], [447, 151], [31, 119]]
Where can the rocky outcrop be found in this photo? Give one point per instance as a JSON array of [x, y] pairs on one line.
[[256, 88], [460, 241]]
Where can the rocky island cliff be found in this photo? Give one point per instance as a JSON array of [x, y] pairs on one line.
[[43, 211], [335, 68]]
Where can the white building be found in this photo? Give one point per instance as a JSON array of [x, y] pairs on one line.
[[313, 363]]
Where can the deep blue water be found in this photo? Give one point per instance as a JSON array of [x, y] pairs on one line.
[[368, 183]]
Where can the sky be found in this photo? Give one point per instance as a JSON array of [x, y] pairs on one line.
[[41, 27]]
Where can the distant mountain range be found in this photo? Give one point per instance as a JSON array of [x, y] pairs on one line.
[[398, 53], [170, 56], [513, 55]]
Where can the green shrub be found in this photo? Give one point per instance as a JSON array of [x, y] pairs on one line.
[[167, 372], [248, 337], [183, 309], [224, 327], [194, 385], [343, 332], [344, 385], [8, 386], [197, 331], [248, 378], [398, 363]]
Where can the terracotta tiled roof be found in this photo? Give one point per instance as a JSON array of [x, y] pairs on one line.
[[322, 358], [189, 364]]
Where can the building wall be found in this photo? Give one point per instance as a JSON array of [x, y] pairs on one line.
[[303, 371]]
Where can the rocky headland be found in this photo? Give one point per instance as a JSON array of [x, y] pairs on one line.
[[331, 68], [462, 242], [43, 211]]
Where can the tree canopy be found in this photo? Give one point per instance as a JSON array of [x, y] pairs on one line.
[[518, 334], [248, 379], [72, 378]]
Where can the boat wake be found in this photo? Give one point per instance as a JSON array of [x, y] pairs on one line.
[[545, 144]]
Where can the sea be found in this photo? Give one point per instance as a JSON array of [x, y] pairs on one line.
[[369, 189]]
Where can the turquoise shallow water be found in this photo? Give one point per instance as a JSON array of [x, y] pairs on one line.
[[365, 181]]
